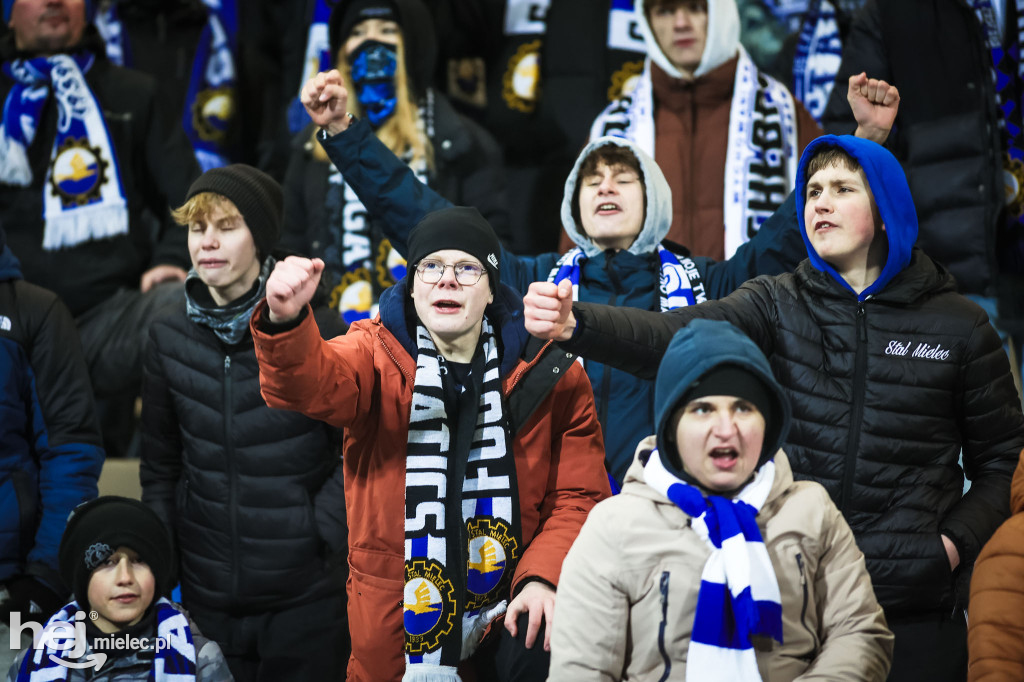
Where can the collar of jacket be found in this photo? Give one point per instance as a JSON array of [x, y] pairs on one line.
[[505, 313], [922, 276]]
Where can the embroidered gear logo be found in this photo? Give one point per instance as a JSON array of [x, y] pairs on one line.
[[492, 551], [97, 554], [429, 609]]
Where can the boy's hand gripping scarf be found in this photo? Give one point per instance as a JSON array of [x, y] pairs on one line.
[[761, 155], [739, 594], [463, 536], [83, 198], [175, 662], [679, 281]]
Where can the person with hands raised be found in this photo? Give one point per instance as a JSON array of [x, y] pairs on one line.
[[383, 52], [472, 455]]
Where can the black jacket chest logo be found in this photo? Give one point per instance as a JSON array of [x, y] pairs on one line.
[[917, 350]]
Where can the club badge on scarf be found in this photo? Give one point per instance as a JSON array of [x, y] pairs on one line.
[[210, 100], [679, 281], [373, 72], [456, 582], [739, 593], [59, 651], [83, 198]]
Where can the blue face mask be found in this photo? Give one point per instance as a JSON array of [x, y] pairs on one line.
[[373, 73]]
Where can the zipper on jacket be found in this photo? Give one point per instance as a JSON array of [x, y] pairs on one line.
[[661, 628], [229, 450], [606, 372], [857, 411], [803, 586]]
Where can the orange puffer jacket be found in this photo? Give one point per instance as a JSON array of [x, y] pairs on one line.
[[995, 632], [363, 381]]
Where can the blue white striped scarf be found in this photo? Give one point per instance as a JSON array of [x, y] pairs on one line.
[[318, 58], [679, 282], [174, 663], [819, 51], [739, 594], [210, 102], [83, 198]]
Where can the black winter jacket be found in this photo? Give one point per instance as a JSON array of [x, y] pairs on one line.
[[946, 134], [235, 479], [884, 395], [157, 167]]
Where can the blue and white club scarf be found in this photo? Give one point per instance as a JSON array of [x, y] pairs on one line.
[[175, 662], [211, 98], [317, 58], [108, 23], [819, 52], [463, 536], [680, 284], [83, 198], [739, 593], [374, 65]]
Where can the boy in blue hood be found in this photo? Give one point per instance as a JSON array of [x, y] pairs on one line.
[[890, 372]]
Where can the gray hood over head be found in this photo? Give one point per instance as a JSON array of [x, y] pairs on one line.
[[722, 42], [658, 219]]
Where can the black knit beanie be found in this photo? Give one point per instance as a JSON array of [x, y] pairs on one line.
[[347, 14], [98, 527], [256, 195], [735, 381], [456, 227]]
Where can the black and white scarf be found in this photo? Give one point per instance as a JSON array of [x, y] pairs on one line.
[[761, 156], [463, 536]]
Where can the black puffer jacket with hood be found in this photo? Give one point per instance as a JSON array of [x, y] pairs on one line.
[[887, 386]]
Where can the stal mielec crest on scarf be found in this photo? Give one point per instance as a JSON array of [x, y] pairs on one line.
[[78, 172]]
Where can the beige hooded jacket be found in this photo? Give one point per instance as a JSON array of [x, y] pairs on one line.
[[628, 589]]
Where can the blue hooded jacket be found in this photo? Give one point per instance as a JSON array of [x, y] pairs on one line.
[[891, 193]]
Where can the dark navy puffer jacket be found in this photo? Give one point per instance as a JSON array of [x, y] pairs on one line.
[[50, 452], [235, 479]]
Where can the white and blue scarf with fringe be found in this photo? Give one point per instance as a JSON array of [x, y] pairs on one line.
[[739, 593], [83, 198], [761, 154], [463, 536], [679, 282], [173, 661]]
